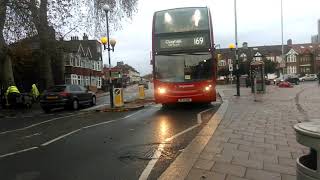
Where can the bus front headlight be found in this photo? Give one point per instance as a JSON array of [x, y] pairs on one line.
[[162, 90], [208, 88]]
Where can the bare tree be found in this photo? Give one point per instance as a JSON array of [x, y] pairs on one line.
[[46, 17], [6, 74]]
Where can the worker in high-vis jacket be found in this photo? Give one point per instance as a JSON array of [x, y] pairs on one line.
[[11, 95], [34, 92]]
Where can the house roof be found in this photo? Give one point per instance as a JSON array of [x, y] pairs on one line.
[[271, 50], [86, 47], [305, 48]]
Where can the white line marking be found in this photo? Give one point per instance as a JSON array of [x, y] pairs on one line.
[[17, 152], [95, 107], [94, 125], [87, 127], [68, 134], [60, 137], [146, 172], [29, 136], [130, 115], [37, 124]]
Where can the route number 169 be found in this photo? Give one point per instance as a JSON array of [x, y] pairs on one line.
[[198, 41]]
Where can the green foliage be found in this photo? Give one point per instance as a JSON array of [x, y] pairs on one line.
[[269, 66]]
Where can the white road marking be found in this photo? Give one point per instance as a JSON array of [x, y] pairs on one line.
[[94, 125], [29, 136], [60, 137], [146, 172], [95, 107], [37, 124], [130, 115], [87, 127], [17, 152], [68, 134]]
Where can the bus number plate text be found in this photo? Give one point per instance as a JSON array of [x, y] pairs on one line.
[[185, 100]]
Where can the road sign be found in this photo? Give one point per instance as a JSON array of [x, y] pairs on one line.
[[118, 97], [230, 67]]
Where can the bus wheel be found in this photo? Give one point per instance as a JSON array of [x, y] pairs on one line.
[[165, 106]]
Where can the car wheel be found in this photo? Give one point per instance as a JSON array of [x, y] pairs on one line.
[[75, 104], [93, 101]]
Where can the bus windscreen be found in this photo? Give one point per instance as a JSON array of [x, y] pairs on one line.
[[181, 20], [183, 67]]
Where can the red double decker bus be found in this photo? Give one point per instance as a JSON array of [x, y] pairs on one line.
[[184, 65]]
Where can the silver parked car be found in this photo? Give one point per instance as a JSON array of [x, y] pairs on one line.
[[309, 77]]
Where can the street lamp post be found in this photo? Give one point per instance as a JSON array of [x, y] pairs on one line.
[[282, 46], [106, 40], [236, 51]]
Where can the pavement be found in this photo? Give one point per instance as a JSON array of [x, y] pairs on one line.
[[248, 140]]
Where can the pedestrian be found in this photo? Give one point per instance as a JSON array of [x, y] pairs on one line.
[[12, 94], [247, 81], [34, 92]]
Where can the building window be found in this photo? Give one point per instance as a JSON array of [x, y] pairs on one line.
[[87, 81], [83, 64], [80, 80], [99, 82], [91, 65], [67, 79], [99, 65], [74, 79]]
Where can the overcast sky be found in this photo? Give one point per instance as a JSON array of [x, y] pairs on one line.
[[258, 24]]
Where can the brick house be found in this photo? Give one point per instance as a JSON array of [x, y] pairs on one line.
[[303, 59], [247, 54], [74, 62], [83, 62], [299, 59]]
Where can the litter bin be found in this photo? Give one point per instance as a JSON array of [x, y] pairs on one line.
[[308, 166]]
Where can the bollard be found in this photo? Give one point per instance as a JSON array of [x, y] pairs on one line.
[[141, 92], [118, 97], [308, 166]]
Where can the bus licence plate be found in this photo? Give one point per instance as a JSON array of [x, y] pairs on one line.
[[185, 100]]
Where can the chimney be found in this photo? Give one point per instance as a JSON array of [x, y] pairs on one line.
[[289, 42], [245, 45], [85, 37]]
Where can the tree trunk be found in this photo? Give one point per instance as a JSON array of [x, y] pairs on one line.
[[45, 60], [40, 19], [7, 76], [6, 73]]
